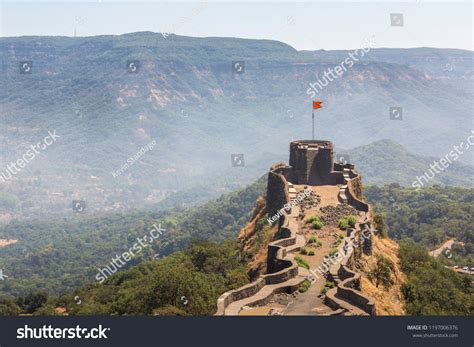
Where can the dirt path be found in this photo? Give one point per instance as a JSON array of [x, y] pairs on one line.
[[446, 245], [328, 194], [6, 242], [308, 303]]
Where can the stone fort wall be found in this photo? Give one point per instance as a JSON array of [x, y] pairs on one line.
[[311, 163], [346, 296]]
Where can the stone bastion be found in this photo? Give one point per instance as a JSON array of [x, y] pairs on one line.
[[311, 163]]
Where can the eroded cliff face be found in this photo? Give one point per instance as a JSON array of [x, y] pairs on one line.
[[388, 302], [254, 238]]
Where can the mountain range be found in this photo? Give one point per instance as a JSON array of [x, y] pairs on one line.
[[185, 96]]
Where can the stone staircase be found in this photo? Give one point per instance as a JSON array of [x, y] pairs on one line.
[[346, 296], [266, 286], [343, 191], [292, 191]]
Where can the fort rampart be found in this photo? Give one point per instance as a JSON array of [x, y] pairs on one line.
[[311, 163]]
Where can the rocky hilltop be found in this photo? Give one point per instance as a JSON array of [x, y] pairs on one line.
[[312, 243]]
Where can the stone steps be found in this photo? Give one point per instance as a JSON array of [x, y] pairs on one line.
[[300, 240], [268, 290], [264, 295], [292, 194], [343, 194], [346, 294]]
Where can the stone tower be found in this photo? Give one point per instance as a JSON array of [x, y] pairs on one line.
[[312, 162]]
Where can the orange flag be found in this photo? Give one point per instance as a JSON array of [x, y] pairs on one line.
[[317, 104]]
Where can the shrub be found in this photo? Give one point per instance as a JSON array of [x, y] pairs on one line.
[[311, 252], [352, 220], [333, 252], [303, 251], [343, 224], [316, 222], [304, 286], [317, 225], [328, 285], [347, 222], [338, 241], [301, 262], [314, 241]]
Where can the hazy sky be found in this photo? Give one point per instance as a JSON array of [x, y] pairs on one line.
[[303, 25]]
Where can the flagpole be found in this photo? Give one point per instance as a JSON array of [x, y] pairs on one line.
[[316, 105]]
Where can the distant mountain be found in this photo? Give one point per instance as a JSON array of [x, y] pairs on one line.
[[380, 163], [386, 161], [452, 66], [186, 97]]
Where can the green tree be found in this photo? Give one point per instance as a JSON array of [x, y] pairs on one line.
[[382, 273], [432, 289], [32, 301], [379, 224], [8, 308]]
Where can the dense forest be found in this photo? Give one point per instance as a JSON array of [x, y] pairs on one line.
[[429, 217], [62, 254], [431, 288], [187, 282], [55, 262]]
